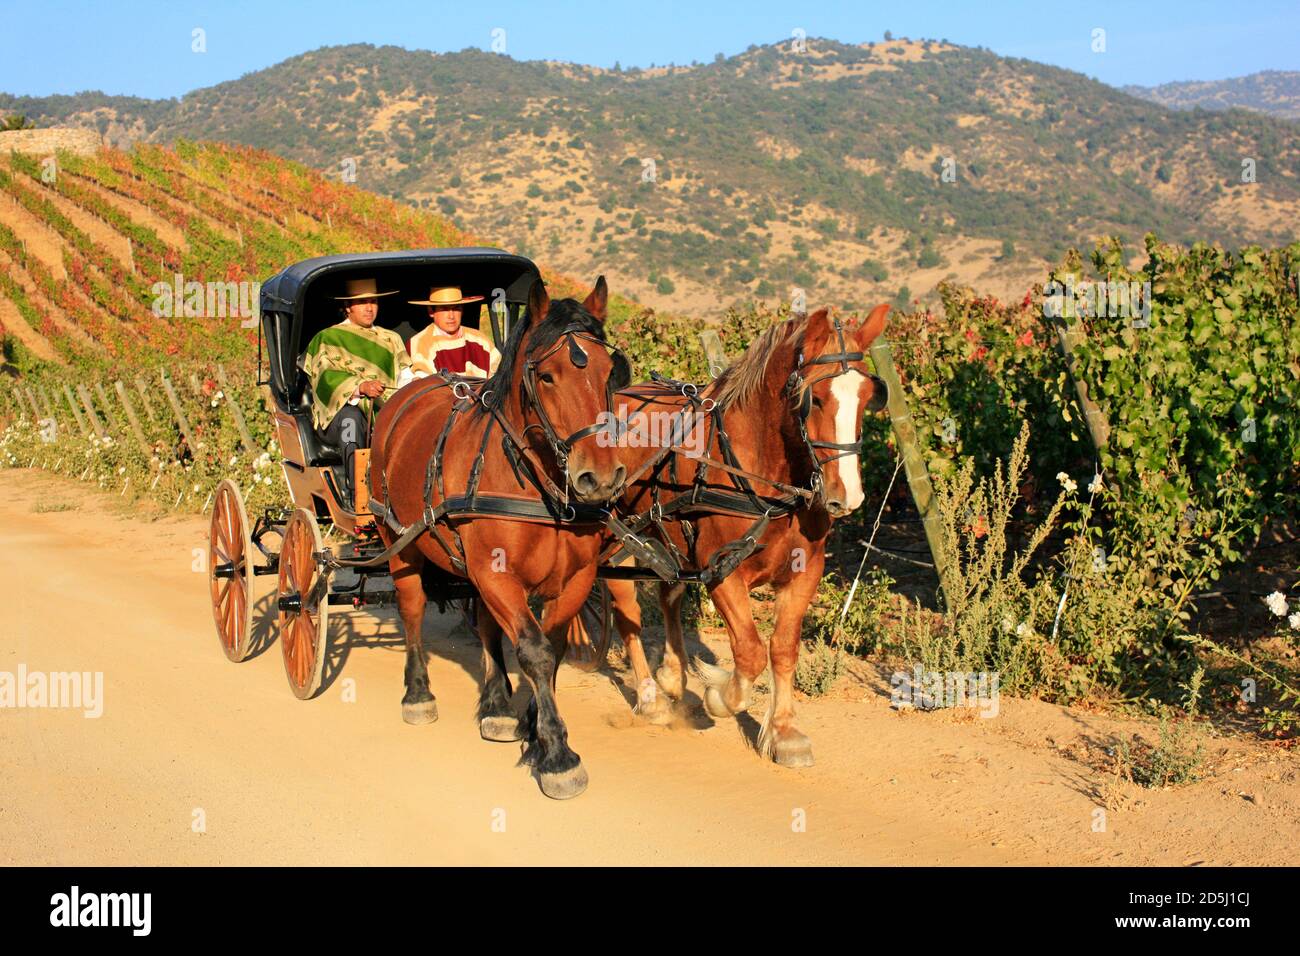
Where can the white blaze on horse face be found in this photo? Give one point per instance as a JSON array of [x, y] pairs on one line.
[[845, 388]]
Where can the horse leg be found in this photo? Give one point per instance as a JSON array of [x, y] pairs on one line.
[[729, 692], [496, 721], [418, 704], [672, 671], [627, 618], [559, 770], [779, 739]]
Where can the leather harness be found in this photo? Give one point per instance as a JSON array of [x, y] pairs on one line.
[[552, 503]]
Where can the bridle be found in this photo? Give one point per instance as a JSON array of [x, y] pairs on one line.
[[618, 378], [797, 385]]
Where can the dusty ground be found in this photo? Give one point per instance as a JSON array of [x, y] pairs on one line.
[[337, 780]]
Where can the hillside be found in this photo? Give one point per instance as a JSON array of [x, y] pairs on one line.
[[771, 168], [1276, 92], [79, 255]]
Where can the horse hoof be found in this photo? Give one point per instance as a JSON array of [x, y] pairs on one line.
[[657, 713], [714, 704], [669, 683], [794, 751], [501, 729], [565, 785], [421, 712]]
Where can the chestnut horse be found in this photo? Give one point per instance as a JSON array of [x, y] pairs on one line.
[[801, 388], [508, 527]]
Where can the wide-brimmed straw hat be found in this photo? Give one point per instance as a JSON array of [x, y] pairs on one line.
[[446, 295], [362, 289]]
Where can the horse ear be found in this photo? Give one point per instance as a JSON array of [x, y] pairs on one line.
[[815, 335], [597, 301], [871, 327], [539, 303]]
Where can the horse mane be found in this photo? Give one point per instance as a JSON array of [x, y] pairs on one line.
[[562, 314], [743, 378]]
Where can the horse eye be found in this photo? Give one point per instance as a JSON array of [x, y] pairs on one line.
[[817, 402], [546, 377]]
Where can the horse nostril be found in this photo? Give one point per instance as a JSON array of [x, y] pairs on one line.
[[585, 482], [620, 476], [836, 506]]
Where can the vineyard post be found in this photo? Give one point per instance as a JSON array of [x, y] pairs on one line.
[[1068, 337], [918, 477], [90, 410], [144, 399], [104, 402], [130, 416], [31, 400], [76, 412], [713, 352], [195, 387], [236, 412], [177, 410], [45, 400]]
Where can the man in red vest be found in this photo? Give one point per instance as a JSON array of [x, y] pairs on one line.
[[446, 343]]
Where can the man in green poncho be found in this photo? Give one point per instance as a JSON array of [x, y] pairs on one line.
[[350, 366]]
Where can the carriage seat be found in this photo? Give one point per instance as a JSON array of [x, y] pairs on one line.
[[317, 450]]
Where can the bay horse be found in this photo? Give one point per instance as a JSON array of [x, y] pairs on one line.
[[797, 391], [492, 469]]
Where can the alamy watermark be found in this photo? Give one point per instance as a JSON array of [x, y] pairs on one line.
[[654, 429], [75, 908], [207, 300], [1127, 300], [933, 690], [57, 689]]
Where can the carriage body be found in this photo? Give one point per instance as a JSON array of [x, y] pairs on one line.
[[299, 301], [296, 303]]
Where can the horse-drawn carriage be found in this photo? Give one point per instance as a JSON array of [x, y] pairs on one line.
[[296, 304], [523, 488]]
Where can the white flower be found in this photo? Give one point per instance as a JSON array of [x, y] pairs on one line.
[[1276, 603], [220, 395], [214, 403], [1066, 482], [1095, 485], [108, 440], [234, 460], [1294, 621], [122, 470], [196, 489], [1008, 625], [1022, 629]]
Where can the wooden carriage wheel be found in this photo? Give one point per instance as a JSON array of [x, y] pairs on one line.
[[230, 571], [304, 605], [591, 630]]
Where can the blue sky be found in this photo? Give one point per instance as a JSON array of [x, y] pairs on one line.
[[143, 47]]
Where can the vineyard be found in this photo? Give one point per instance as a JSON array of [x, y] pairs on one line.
[[1083, 561]]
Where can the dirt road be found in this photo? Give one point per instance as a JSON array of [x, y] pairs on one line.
[[198, 761]]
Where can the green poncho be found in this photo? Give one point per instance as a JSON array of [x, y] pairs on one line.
[[340, 358]]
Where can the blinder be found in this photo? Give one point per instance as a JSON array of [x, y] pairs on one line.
[[620, 376], [879, 394]]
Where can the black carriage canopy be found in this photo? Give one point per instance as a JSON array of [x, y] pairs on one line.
[[299, 301]]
